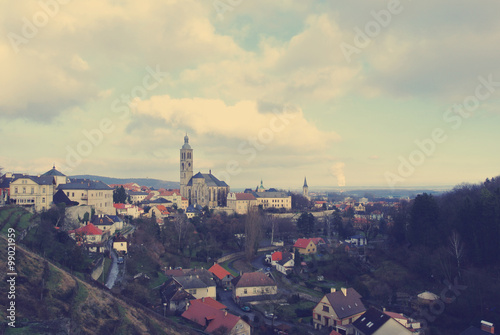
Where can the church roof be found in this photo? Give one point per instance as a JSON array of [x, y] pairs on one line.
[[305, 182], [210, 180], [186, 143], [53, 172]]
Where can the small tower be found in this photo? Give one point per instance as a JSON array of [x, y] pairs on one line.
[[186, 167], [261, 188], [305, 189]]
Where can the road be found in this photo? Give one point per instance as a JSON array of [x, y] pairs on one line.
[[113, 270]]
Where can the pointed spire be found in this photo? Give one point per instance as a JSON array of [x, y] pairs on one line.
[[305, 182]]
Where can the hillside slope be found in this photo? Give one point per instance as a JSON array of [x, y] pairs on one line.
[[156, 183], [49, 300]]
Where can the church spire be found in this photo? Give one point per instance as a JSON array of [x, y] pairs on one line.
[[305, 182]]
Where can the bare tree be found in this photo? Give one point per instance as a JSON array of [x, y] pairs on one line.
[[181, 226], [456, 249], [253, 224]]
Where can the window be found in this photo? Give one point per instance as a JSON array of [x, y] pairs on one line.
[[24, 189], [43, 200], [326, 308], [15, 190], [43, 190], [254, 290], [193, 291], [73, 194], [245, 291], [32, 190]]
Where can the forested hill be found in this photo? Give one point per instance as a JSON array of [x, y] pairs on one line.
[[466, 219], [156, 183]]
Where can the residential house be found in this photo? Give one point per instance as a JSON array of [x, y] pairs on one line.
[[199, 285], [120, 244], [91, 237], [193, 210], [253, 286], [128, 210], [283, 261], [408, 323], [34, 192], [159, 211], [357, 240], [106, 223], [222, 276], [137, 196], [486, 328], [241, 203], [338, 309], [174, 196], [307, 246], [90, 193], [375, 322], [174, 296], [215, 319], [286, 263]]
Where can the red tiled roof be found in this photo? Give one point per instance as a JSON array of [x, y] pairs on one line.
[[219, 271], [223, 320], [89, 229], [201, 312], [119, 206], [277, 256], [334, 332], [318, 240], [396, 315], [302, 243], [245, 196], [163, 209], [210, 302]]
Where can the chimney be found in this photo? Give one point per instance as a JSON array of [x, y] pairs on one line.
[[225, 313], [344, 290], [487, 327], [202, 299], [332, 290]]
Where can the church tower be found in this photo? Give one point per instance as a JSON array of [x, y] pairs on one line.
[[305, 189], [186, 167]]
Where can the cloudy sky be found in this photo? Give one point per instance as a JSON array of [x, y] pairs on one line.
[[355, 93]]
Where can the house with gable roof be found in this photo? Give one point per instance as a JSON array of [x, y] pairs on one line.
[[308, 246], [253, 286], [338, 309], [222, 276], [375, 322], [199, 285], [35, 192], [91, 237], [91, 193], [241, 203], [214, 317]]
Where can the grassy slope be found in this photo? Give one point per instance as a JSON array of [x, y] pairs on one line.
[[73, 303]]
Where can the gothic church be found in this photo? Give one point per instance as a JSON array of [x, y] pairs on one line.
[[201, 189]]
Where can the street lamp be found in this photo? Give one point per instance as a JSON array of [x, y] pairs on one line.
[[164, 309]]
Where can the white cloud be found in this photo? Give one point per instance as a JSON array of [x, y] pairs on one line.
[[242, 121]]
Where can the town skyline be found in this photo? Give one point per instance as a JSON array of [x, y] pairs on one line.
[[348, 96]]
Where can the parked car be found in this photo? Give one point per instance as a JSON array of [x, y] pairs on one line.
[[270, 315], [245, 308]]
